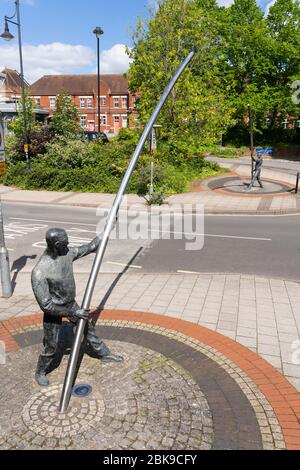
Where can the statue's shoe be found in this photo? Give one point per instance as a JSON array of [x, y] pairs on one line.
[[112, 358], [42, 380]]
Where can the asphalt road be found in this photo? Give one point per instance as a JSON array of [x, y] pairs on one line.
[[267, 246]]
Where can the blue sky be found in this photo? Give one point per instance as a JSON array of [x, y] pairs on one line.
[[57, 34]]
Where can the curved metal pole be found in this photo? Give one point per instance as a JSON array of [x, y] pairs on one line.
[[68, 383]]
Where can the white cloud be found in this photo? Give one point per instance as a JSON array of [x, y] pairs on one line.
[[114, 60], [46, 59], [58, 58], [225, 3], [269, 5], [153, 4]]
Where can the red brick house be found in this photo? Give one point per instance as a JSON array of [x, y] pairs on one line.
[[10, 85], [116, 102]]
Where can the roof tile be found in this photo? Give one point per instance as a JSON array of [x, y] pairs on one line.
[[77, 84]]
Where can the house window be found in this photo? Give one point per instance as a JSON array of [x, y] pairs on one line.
[[116, 119], [116, 102], [82, 102], [52, 100], [37, 100], [124, 121], [90, 102], [103, 100], [92, 125], [124, 102], [83, 121], [104, 119]]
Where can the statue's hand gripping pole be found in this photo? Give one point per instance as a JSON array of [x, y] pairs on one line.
[[72, 364]]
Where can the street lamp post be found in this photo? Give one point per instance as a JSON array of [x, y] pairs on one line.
[[153, 151], [8, 37], [4, 259], [98, 32], [251, 137]]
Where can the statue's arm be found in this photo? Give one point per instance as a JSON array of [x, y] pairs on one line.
[[85, 250], [41, 291]]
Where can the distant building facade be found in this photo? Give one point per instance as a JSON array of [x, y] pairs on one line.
[[10, 96], [116, 101], [10, 85]]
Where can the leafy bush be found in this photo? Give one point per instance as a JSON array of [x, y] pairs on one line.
[[128, 135], [85, 166], [271, 137], [157, 198]]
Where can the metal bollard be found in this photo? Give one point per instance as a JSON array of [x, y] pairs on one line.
[[4, 262]]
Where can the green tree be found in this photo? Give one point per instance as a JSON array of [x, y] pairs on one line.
[[65, 119], [261, 59], [196, 112], [284, 24], [17, 126], [37, 137], [246, 64]]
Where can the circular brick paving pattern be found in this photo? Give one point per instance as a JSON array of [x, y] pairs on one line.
[[147, 402], [251, 405], [235, 184], [40, 414]]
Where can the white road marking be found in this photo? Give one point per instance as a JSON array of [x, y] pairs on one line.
[[212, 235], [241, 238], [158, 231], [14, 230], [134, 266], [54, 221], [187, 272]]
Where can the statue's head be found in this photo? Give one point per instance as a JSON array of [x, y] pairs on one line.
[[57, 241]]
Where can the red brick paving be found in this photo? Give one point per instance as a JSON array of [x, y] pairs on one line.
[[282, 396]]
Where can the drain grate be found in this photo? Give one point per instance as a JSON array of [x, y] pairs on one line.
[[81, 390]]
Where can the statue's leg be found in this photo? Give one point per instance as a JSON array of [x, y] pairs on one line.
[[95, 347], [259, 180], [50, 346], [251, 184]]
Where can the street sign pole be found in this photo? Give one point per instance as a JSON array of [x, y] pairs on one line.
[[153, 149], [251, 138], [4, 259]]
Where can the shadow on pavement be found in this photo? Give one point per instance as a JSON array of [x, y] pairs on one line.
[[17, 267], [101, 307]]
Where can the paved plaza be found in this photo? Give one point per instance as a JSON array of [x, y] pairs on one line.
[[212, 360]]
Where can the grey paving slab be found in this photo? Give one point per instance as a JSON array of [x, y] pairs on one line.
[[260, 321]]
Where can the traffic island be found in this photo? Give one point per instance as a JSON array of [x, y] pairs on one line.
[[181, 386], [240, 185]]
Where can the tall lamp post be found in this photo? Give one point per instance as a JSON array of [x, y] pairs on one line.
[[250, 114], [8, 37], [4, 259], [98, 32]]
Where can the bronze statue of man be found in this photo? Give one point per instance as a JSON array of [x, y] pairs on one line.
[[54, 288], [257, 171]]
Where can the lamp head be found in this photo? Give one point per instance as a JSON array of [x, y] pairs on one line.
[[7, 34], [98, 31]]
